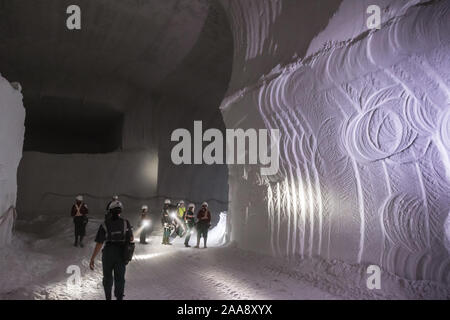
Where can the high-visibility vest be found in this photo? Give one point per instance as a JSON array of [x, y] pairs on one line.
[[78, 209], [181, 211]]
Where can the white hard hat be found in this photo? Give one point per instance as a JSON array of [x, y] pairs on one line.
[[115, 197], [116, 204], [79, 198], [181, 202], [205, 204], [144, 207], [191, 205], [167, 201]]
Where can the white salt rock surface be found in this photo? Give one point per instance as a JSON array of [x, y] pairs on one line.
[[447, 233], [12, 117], [364, 123]]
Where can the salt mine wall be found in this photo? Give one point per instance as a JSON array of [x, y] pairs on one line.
[[193, 183], [49, 183], [12, 117], [364, 122], [141, 172]]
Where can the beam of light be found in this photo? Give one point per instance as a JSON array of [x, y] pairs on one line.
[[148, 256], [174, 216], [217, 235], [149, 168], [145, 224]]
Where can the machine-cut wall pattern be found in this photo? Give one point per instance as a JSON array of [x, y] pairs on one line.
[[364, 152]]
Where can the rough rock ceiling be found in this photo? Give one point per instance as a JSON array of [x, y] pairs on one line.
[[124, 46]]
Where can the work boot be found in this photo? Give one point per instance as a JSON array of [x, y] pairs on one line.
[[81, 245], [197, 246], [186, 245]]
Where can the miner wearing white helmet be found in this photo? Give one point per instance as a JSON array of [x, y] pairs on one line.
[[113, 198], [79, 213], [189, 220], [115, 205], [176, 213], [167, 220], [144, 224], [116, 233], [203, 224]]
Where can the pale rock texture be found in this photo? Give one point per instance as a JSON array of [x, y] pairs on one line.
[[12, 117], [52, 189], [364, 122]]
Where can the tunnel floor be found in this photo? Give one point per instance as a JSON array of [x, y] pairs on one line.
[[40, 266], [177, 273], [156, 272]]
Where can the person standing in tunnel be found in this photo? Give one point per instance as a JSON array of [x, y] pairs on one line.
[[115, 233], [189, 220], [180, 227], [114, 198], [144, 225], [79, 213], [167, 222], [203, 224]]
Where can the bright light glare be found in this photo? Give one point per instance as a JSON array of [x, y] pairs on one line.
[[148, 255], [146, 223]]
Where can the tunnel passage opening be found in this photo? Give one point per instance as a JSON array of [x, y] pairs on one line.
[[77, 143], [202, 80], [62, 126]]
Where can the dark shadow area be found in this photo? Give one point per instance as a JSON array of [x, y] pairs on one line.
[[61, 125]]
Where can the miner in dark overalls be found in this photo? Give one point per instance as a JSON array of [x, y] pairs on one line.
[[144, 224], [203, 224], [115, 232], [189, 220], [79, 213]]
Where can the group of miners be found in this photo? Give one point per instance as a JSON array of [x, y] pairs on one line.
[[115, 235], [176, 220]]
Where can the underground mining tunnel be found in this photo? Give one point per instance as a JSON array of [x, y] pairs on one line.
[[317, 132]]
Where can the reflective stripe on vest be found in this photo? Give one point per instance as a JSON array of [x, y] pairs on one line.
[[124, 232], [78, 210]]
